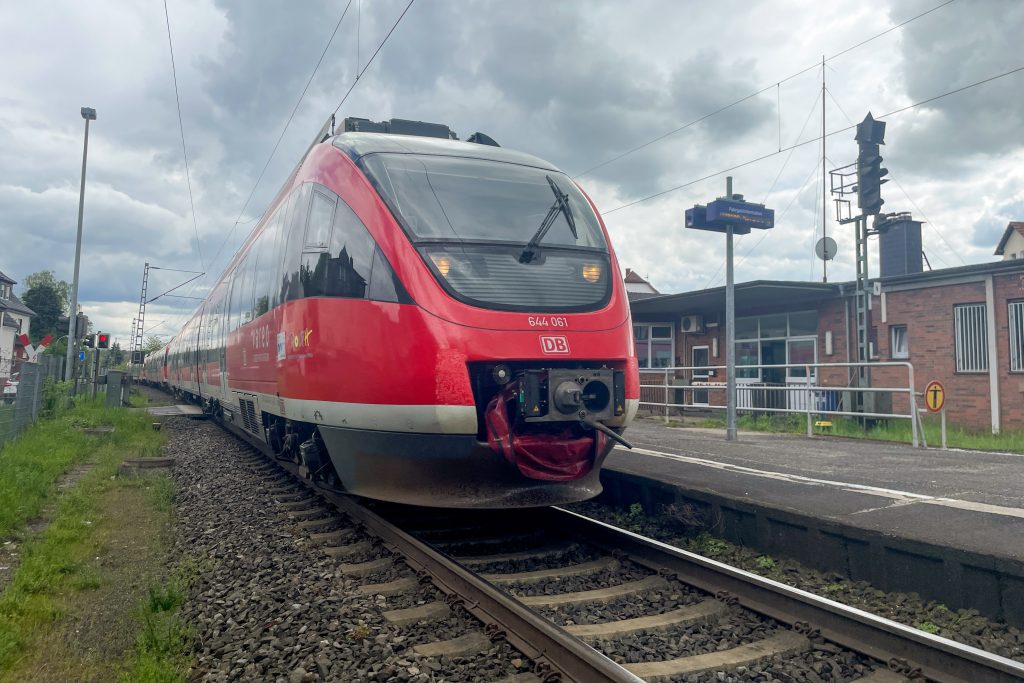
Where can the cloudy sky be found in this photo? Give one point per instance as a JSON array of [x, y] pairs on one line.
[[577, 83]]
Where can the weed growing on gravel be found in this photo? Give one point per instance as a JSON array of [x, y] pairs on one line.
[[706, 544], [765, 563], [360, 632], [833, 588], [928, 627]]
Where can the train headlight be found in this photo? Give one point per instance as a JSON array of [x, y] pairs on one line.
[[591, 272], [443, 263]]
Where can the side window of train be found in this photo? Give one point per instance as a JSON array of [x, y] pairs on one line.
[[248, 268], [295, 231], [265, 274], [241, 293], [349, 259]]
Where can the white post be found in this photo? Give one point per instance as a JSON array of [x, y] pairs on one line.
[[666, 395], [943, 419], [810, 430]]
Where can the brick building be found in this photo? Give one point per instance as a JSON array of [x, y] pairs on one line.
[[962, 326]]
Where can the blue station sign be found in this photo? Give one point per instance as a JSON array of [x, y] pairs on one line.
[[721, 214]]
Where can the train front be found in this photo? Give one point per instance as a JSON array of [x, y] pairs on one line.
[[521, 333]]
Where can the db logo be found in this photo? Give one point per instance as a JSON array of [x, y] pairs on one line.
[[554, 344]]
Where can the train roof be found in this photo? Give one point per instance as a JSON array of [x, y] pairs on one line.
[[358, 145]]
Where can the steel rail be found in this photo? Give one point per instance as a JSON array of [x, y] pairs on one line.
[[906, 650], [558, 656]]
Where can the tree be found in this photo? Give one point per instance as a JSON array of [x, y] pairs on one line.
[[47, 297], [47, 279], [116, 354], [153, 343]]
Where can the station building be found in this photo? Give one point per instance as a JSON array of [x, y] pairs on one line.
[[961, 326]]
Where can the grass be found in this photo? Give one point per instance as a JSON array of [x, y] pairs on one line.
[[102, 535], [881, 430], [30, 465], [159, 654]]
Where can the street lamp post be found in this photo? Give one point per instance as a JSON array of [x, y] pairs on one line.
[[89, 115]]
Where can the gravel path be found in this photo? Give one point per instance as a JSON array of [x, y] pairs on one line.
[[267, 604]]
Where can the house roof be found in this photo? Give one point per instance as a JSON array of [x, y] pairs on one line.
[[633, 278], [750, 297], [760, 295], [992, 267], [1011, 227], [14, 304]]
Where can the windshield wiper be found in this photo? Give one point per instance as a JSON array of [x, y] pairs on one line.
[[561, 205]]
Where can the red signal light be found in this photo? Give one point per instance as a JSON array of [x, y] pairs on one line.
[[102, 341]]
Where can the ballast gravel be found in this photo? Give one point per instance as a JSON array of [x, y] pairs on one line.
[[731, 630], [645, 604], [265, 603], [605, 578]]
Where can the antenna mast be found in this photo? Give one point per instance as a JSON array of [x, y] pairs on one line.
[[824, 262]]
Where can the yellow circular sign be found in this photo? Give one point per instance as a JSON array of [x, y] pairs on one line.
[[934, 396]]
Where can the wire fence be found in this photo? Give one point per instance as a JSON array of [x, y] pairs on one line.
[[22, 402]]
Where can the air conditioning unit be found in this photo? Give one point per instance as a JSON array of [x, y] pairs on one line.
[[692, 323]]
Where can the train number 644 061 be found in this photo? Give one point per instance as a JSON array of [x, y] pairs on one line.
[[548, 321]]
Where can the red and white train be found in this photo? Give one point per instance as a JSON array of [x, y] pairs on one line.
[[421, 320]]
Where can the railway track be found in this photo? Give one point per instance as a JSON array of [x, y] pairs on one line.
[[585, 601]]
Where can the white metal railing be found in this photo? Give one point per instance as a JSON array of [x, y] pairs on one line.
[[703, 388]]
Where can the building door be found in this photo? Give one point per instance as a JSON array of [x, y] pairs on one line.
[[801, 350], [701, 374]]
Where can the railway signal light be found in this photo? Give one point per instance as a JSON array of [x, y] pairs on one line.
[[870, 174], [102, 340], [90, 341]]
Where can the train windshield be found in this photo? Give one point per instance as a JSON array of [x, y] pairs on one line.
[[472, 220], [463, 199]]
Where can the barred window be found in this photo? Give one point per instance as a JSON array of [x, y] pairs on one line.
[[1016, 336], [971, 327]]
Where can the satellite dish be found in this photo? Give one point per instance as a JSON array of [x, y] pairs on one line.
[[826, 248]]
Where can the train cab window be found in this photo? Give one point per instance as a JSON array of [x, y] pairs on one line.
[[350, 256]]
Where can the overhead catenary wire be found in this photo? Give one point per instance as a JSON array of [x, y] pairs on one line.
[[284, 129], [811, 140], [369, 62], [181, 129], [752, 95], [765, 233], [771, 188], [295, 108]]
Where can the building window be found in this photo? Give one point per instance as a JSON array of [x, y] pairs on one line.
[[971, 329], [654, 345], [899, 347], [5, 291], [1016, 336]]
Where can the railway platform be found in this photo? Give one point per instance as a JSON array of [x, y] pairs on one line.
[[946, 524]]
